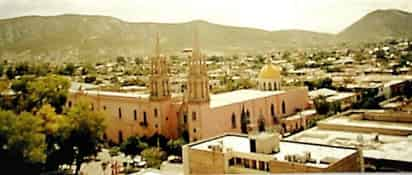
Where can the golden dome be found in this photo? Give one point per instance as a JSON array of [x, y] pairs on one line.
[[270, 71]]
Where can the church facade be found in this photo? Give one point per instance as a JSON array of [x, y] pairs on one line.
[[198, 113]]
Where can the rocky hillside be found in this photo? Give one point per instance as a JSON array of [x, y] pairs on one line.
[[378, 25]]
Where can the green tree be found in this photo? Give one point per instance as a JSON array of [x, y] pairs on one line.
[[1, 70], [154, 156], [10, 73], [84, 131], [51, 90], [175, 146], [321, 105], [22, 68], [68, 69], [22, 143], [52, 124], [121, 60], [133, 146]]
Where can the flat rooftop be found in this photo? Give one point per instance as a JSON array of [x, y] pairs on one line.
[[240, 143], [387, 147], [322, 92], [115, 94], [301, 114], [239, 96], [346, 120]]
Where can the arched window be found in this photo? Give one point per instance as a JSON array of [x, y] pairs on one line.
[[261, 124], [233, 120], [272, 110], [135, 114], [270, 86], [105, 136], [120, 113], [120, 137], [284, 128], [155, 112], [164, 87], [275, 87], [144, 118], [283, 107], [264, 86]]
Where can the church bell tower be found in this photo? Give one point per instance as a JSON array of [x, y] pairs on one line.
[[198, 82], [159, 77]]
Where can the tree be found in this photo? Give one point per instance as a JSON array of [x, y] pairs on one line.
[[370, 100], [175, 146], [68, 69], [52, 124], [10, 73], [155, 140], [325, 83], [22, 68], [154, 156], [133, 146], [22, 145], [1, 70], [121, 60], [84, 130], [321, 105], [51, 90]]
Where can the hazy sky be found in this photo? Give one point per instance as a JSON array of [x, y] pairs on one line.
[[317, 15]]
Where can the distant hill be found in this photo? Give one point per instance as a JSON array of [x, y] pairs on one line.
[[378, 25], [97, 36], [81, 37]]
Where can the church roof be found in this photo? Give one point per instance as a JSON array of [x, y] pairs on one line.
[[270, 71], [238, 96]]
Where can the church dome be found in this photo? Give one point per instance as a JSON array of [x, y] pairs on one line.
[[270, 71]]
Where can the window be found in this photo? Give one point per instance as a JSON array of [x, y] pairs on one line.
[[283, 107], [156, 126], [233, 120], [231, 161], [144, 118], [120, 137], [135, 114], [272, 110], [70, 104], [185, 118], [194, 116], [92, 107], [120, 113], [104, 107], [194, 130], [155, 112]]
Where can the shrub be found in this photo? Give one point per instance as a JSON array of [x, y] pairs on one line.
[[154, 156]]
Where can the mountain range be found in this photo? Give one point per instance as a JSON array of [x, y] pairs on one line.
[[86, 37]]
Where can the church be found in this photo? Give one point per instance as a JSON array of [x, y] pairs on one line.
[[198, 112]]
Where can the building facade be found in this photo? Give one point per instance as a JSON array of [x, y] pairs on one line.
[[198, 112], [266, 153]]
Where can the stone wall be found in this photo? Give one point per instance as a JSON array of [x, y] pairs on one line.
[[204, 162]]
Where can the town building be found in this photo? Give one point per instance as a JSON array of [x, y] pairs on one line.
[[383, 135], [197, 112], [345, 100], [233, 153]]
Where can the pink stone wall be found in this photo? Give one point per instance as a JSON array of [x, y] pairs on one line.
[[218, 120], [164, 123]]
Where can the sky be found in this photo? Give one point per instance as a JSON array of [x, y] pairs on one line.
[[330, 16]]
